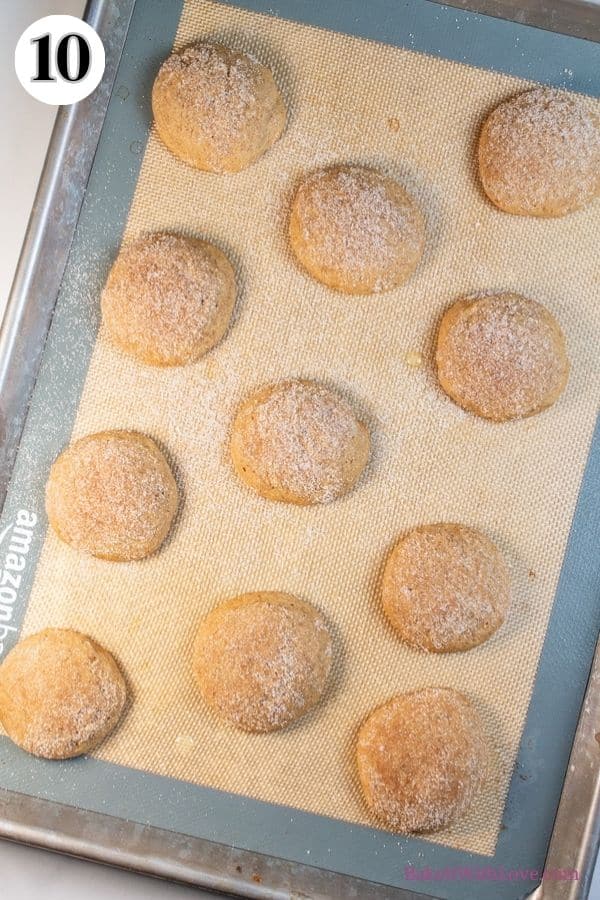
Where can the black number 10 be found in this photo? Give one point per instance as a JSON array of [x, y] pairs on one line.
[[62, 58]]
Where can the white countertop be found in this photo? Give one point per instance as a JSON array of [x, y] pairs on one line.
[[26, 872]]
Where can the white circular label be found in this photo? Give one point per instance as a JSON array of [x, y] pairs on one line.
[[59, 60]]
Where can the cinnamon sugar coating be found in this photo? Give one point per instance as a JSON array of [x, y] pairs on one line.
[[261, 660], [501, 356], [445, 588], [168, 299], [215, 108], [356, 230], [113, 495], [299, 442], [422, 759], [61, 694], [539, 153]]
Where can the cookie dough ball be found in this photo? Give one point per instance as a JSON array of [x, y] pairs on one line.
[[215, 108], [356, 230], [299, 442], [422, 758], [445, 588], [168, 299], [61, 694], [501, 356], [262, 660], [539, 153], [113, 495]]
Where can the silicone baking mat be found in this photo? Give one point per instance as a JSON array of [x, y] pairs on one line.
[[402, 107]]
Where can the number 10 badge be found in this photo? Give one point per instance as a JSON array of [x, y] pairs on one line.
[[59, 60]]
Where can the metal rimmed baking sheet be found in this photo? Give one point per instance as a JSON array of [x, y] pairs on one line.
[[105, 213]]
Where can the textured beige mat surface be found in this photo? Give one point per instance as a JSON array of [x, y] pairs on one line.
[[416, 117]]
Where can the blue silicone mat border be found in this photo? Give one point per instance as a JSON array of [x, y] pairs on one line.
[[569, 646]]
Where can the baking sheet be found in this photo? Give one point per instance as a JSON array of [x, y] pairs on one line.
[[419, 436]]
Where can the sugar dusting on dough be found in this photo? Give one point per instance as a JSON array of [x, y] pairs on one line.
[[446, 587], [358, 224], [111, 494], [502, 357], [60, 694], [163, 296], [262, 663], [298, 437], [422, 757], [222, 92], [221, 101], [540, 153]]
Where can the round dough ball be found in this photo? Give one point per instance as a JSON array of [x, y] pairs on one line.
[[168, 299], [61, 694], [422, 758], [262, 660], [501, 356], [356, 230], [539, 153], [445, 588], [113, 495], [299, 442], [215, 108]]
